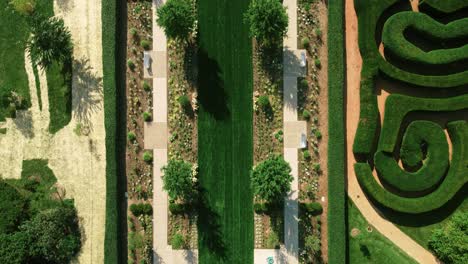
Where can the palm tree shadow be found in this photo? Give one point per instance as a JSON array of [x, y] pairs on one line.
[[209, 229], [87, 92], [211, 94]]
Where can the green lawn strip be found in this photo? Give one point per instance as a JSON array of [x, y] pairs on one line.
[[59, 81], [371, 247], [225, 133], [336, 143], [114, 89]]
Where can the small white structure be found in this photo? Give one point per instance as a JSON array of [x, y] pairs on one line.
[[303, 141], [147, 61], [303, 59]]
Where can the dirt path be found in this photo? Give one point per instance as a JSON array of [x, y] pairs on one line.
[[354, 65], [78, 162]]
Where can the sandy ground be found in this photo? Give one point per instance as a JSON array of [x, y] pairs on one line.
[[354, 65], [77, 161]]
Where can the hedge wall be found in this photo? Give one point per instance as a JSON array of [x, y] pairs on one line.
[[446, 6], [337, 236], [433, 168], [456, 178], [114, 88], [394, 39]]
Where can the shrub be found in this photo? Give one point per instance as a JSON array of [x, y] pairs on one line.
[[25, 7], [147, 157], [267, 21], [145, 44], [317, 167], [176, 208], [273, 240], [260, 208], [304, 84], [184, 101], [178, 180], [306, 114], [141, 209], [263, 101], [317, 63], [305, 43], [131, 136], [178, 241], [131, 65], [318, 33], [133, 32], [313, 244], [318, 134], [177, 18], [271, 179], [146, 86], [147, 116], [306, 154], [314, 208]]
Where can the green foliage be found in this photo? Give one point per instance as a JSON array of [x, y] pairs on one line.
[[314, 208], [306, 154], [318, 63], [59, 81], [313, 244], [318, 134], [145, 44], [176, 208], [260, 207], [263, 101], [131, 65], [147, 157], [141, 209], [146, 86], [25, 7], [184, 101], [450, 244], [271, 179], [177, 18], [178, 181], [147, 116], [336, 130], [134, 32], [305, 42], [306, 114], [273, 240], [50, 41], [12, 206], [318, 33], [131, 136], [178, 241], [267, 20]]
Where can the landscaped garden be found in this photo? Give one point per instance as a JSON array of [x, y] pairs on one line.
[[412, 128]]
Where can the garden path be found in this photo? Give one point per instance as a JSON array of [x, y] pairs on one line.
[[385, 227], [162, 251]]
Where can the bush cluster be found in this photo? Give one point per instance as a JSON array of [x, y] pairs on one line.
[[141, 209]]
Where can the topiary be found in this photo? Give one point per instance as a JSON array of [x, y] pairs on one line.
[[147, 117], [314, 208], [131, 64], [146, 86], [147, 157], [131, 136], [306, 154]]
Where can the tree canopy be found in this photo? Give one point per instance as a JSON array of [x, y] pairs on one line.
[[50, 41], [178, 180], [271, 179], [267, 20], [450, 243], [177, 18], [11, 207]]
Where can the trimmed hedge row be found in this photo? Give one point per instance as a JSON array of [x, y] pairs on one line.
[[395, 41], [114, 90], [337, 236], [456, 178], [446, 6], [397, 106], [434, 166]]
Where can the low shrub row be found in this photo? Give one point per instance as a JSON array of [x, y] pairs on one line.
[[397, 106], [336, 131], [447, 6], [456, 178], [141, 209], [394, 39], [433, 168]]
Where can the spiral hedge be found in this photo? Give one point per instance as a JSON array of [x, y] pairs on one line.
[[418, 147]]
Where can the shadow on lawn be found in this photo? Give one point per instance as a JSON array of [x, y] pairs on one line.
[[209, 229], [211, 94]]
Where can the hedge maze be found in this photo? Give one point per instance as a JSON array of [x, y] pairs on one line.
[[419, 146]]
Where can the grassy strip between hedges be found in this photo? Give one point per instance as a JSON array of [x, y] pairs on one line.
[[114, 249], [336, 146]]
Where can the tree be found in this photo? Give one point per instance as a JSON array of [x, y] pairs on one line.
[[177, 18], [14, 248], [450, 243], [267, 20], [271, 179], [50, 41], [178, 180], [54, 235], [12, 206]]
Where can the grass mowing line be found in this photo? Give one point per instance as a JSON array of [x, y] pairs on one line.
[[115, 251], [336, 128], [225, 133]]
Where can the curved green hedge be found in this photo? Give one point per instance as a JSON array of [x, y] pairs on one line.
[[456, 178], [446, 6], [397, 106], [433, 168], [395, 41]]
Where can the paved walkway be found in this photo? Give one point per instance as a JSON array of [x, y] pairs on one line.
[[289, 253], [156, 138], [385, 227]]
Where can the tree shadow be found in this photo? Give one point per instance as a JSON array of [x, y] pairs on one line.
[[211, 94], [365, 251], [209, 228], [24, 123], [87, 92], [66, 5]]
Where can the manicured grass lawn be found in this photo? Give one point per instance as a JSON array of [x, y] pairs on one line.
[[371, 247], [14, 33], [225, 133]]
